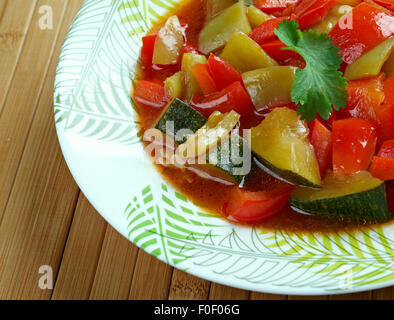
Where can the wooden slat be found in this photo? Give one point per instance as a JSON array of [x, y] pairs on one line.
[[266, 296], [40, 207], [308, 297], [151, 279], [187, 287], [23, 95], [115, 267], [81, 255], [366, 295], [14, 23], [220, 292], [383, 294]]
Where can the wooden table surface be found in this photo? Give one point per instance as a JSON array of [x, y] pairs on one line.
[[44, 218]]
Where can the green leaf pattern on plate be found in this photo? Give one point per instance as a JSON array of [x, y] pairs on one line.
[[167, 225]]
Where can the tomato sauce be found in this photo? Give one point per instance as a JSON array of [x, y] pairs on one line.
[[209, 193]]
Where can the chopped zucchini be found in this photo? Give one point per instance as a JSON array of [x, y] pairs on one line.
[[358, 197], [189, 82], [269, 87], [173, 85], [219, 30], [179, 116], [232, 157], [256, 16], [169, 42], [370, 63], [244, 54], [281, 144], [228, 161], [210, 135]]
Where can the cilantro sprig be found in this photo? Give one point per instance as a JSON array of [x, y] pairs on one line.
[[319, 86]]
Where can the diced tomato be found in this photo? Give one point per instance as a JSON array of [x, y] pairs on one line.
[[382, 168], [328, 123], [222, 72], [354, 144], [265, 32], [321, 140], [385, 112], [270, 6], [148, 45], [361, 30], [390, 195], [253, 207], [234, 97], [365, 96], [204, 78], [150, 94], [309, 12], [273, 49], [387, 149]]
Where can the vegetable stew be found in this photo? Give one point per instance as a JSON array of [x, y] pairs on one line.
[[277, 114]]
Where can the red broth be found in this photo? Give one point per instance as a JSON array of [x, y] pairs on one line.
[[210, 194]]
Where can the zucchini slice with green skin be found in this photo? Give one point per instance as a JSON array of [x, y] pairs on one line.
[[281, 144], [233, 157], [178, 116], [359, 197], [228, 161]]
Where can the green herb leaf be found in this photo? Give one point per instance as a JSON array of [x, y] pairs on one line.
[[319, 86]]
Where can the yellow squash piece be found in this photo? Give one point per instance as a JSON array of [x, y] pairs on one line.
[[173, 85], [169, 42], [269, 87], [219, 30], [281, 143], [214, 7], [189, 82], [256, 16], [370, 63], [244, 54], [332, 18], [388, 67], [215, 130]]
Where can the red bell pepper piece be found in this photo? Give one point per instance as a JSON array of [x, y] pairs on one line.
[[265, 32], [273, 49], [387, 149], [309, 12], [389, 4], [365, 96], [204, 78], [150, 94], [382, 168], [190, 48], [321, 140], [354, 144], [270, 6], [148, 45], [234, 97], [255, 206], [222, 72], [385, 112], [361, 30]]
